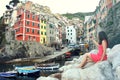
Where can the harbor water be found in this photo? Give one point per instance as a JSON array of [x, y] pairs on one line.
[[10, 67]]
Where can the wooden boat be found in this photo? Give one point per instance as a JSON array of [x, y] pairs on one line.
[[28, 71], [8, 74], [52, 67]]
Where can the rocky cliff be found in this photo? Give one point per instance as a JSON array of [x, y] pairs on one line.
[[111, 25]]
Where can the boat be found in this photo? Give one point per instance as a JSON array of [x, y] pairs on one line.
[[51, 67], [27, 71], [2, 78], [8, 74]]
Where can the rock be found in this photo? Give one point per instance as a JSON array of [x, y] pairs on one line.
[[111, 25], [26, 49], [117, 73], [99, 71], [71, 74], [114, 56], [64, 68], [56, 75], [46, 78]]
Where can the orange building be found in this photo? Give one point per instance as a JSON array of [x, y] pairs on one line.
[[27, 26]]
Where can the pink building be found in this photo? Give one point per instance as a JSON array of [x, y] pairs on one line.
[[109, 4], [103, 8]]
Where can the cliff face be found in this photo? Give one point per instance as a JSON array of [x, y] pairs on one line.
[[22, 49], [111, 25]]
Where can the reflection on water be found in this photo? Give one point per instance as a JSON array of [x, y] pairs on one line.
[[25, 78], [9, 67]]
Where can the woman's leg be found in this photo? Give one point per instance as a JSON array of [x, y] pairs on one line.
[[86, 58]]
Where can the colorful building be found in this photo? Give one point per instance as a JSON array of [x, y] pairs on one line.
[[103, 8], [71, 34], [27, 26], [109, 4], [43, 34]]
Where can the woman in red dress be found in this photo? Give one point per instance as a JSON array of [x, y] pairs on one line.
[[101, 55]]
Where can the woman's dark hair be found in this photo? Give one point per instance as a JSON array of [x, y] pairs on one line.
[[102, 36]]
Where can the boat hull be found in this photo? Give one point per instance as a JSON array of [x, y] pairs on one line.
[[49, 67], [28, 71], [8, 75]]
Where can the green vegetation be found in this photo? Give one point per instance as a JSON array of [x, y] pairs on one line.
[[79, 15]]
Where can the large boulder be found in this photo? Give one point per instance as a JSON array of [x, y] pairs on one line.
[[99, 71], [114, 56], [46, 78], [117, 73], [114, 60]]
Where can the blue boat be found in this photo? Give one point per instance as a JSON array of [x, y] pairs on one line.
[[2, 78], [28, 71], [8, 75]]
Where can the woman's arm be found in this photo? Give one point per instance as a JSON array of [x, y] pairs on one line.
[[104, 44], [95, 42]]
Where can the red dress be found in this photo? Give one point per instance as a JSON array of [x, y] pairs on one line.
[[97, 57]]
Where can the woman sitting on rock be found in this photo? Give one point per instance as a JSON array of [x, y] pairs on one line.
[[101, 55]]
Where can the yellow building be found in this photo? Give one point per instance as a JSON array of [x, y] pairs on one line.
[[43, 35]]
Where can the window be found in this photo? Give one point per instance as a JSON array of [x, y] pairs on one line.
[[27, 23], [68, 30], [33, 16], [51, 25], [38, 18], [41, 33], [45, 21], [71, 30], [68, 33], [45, 33], [33, 24], [38, 32], [71, 33], [44, 27], [32, 30], [28, 16], [27, 30], [38, 25], [41, 26], [41, 20]]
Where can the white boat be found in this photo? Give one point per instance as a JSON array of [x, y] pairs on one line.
[[52, 67]]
